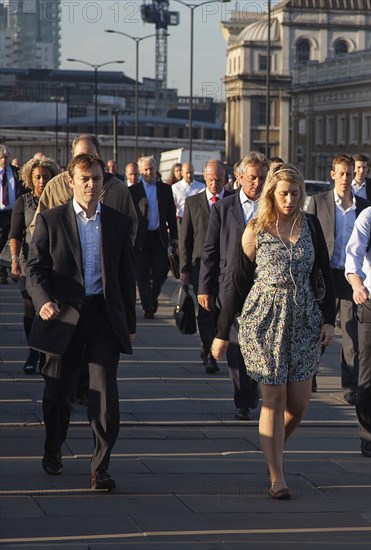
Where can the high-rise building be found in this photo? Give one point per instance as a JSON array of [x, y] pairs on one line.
[[30, 34]]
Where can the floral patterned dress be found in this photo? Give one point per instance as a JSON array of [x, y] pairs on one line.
[[280, 323]]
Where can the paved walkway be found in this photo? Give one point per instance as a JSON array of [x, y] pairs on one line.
[[189, 476]]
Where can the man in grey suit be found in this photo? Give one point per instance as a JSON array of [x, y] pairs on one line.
[[80, 275], [337, 211], [192, 236], [226, 226]]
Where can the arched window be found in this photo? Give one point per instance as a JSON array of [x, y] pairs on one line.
[[302, 52], [340, 48]]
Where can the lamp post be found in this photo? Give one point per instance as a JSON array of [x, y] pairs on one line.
[[95, 67], [192, 8], [268, 83], [137, 40]]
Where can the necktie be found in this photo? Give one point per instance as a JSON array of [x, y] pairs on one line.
[[5, 187], [214, 199]]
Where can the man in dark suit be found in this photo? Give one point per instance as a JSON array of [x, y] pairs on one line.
[[10, 190], [155, 209], [81, 268], [361, 184], [226, 226], [192, 236], [337, 211]]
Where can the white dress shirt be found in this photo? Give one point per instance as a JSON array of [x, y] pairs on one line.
[[358, 258], [249, 207], [344, 223], [359, 189], [182, 190], [89, 232], [210, 196], [11, 188]]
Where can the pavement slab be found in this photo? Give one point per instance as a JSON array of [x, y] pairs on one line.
[[188, 475]]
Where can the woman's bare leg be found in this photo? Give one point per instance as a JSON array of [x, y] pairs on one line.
[[272, 431], [298, 396]]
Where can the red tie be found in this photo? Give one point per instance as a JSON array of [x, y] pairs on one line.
[[5, 187], [214, 198]]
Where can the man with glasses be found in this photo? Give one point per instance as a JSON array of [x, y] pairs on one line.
[[226, 225]]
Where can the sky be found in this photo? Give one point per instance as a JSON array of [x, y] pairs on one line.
[[83, 37]]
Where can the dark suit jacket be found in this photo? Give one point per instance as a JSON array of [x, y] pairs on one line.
[[225, 229], [368, 189], [193, 229], [55, 271], [166, 209], [323, 206]]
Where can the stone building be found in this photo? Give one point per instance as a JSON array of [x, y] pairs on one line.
[[302, 32], [331, 112]]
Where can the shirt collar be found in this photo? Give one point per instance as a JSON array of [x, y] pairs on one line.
[[244, 198], [338, 200], [79, 211], [210, 195], [356, 185]]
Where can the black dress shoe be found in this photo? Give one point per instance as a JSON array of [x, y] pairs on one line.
[[100, 479], [350, 397], [366, 448], [30, 364], [211, 366], [148, 315], [52, 463], [243, 414]]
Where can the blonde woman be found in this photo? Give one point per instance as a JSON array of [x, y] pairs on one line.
[[281, 325]]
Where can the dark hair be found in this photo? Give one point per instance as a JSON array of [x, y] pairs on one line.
[[84, 161]]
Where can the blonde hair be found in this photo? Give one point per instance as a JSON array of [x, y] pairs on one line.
[[41, 162], [267, 209]]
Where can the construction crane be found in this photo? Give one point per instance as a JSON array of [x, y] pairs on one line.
[[157, 12]]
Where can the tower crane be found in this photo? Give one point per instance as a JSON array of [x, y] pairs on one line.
[[157, 12]]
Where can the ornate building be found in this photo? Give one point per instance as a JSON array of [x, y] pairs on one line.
[[302, 32]]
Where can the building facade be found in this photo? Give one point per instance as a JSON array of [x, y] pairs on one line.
[[30, 34], [331, 112], [300, 32]]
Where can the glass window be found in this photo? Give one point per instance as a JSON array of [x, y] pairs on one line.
[[341, 48], [302, 52]]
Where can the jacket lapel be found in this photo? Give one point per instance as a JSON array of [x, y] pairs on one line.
[[330, 201], [69, 224], [236, 212], [204, 205]]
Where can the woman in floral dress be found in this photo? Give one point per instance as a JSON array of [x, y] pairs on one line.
[[281, 325]]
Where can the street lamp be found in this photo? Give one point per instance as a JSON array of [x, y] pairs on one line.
[[137, 39], [95, 67], [192, 8], [268, 83]]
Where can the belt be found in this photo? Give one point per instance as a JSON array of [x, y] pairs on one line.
[[93, 298]]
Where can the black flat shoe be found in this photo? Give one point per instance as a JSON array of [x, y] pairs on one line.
[[281, 494]]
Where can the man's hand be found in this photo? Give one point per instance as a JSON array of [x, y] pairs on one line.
[[218, 348], [49, 310], [15, 270], [132, 337], [360, 294], [327, 335], [206, 301], [185, 279]]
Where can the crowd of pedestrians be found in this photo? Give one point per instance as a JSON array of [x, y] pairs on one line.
[[269, 280]]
